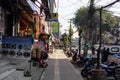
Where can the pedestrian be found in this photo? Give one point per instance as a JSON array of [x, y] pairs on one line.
[[39, 56], [74, 58], [105, 55], [44, 56], [34, 55], [93, 50]]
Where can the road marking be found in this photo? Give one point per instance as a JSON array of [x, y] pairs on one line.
[[42, 76], [57, 71]]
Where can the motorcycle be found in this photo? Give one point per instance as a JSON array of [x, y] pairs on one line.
[[117, 73], [88, 68], [111, 69]]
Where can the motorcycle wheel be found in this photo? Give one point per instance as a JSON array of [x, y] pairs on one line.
[[84, 73], [117, 73]]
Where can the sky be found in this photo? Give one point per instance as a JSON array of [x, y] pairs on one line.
[[67, 9]]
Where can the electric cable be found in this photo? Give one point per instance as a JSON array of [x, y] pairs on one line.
[[72, 4], [114, 12], [97, 1]]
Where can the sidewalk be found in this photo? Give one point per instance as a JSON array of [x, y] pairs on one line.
[[80, 68], [9, 70], [60, 68]]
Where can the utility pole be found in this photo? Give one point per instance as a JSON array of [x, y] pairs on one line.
[[79, 33], [100, 32], [100, 39], [90, 21], [70, 34], [99, 71], [90, 17]]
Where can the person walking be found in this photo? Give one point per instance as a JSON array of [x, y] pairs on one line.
[[74, 58]]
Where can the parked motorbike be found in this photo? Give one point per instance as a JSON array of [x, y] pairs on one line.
[[82, 61], [88, 68], [117, 73], [111, 69]]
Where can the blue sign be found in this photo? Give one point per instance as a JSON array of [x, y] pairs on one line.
[[16, 47], [17, 40]]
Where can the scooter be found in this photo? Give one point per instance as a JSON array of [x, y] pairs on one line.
[[108, 67], [88, 68], [112, 69]]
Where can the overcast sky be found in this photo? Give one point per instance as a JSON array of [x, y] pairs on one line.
[[67, 9]]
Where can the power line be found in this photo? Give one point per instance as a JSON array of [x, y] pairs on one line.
[[81, 1], [114, 12], [63, 17], [111, 4], [67, 6], [73, 2], [117, 7], [97, 1]]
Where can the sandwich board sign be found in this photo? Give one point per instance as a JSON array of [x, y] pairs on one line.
[[17, 47]]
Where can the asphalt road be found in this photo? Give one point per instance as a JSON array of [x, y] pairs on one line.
[[59, 68]]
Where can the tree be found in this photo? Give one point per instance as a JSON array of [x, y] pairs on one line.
[[70, 33], [81, 19], [65, 39]]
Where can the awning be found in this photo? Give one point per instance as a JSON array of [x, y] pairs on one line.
[[25, 5], [20, 4]]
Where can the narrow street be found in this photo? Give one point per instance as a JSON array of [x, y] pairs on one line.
[[59, 68]]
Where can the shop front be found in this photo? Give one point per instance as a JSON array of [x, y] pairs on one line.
[[26, 27]]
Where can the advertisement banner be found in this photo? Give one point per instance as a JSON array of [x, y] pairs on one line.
[[55, 26], [17, 47]]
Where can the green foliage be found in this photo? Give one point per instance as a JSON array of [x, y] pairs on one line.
[[54, 27], [81, 19], [70, 32], [108, 21], [80, 31], [65, 39]]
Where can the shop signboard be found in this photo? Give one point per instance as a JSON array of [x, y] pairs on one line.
[[55, 27], [16, 47], [54, 16]]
